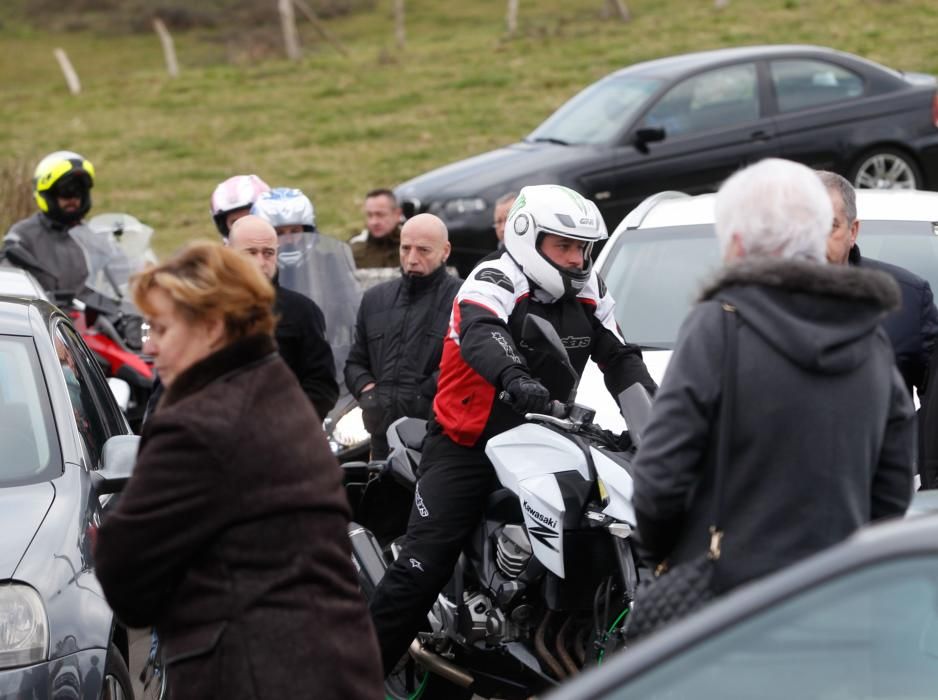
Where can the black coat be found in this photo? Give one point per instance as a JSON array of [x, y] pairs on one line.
[[230, 539], [301, 339], [913, 327], [398, 344], [823, 438]]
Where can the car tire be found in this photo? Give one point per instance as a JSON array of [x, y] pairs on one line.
[[116, 684], [886, 168]]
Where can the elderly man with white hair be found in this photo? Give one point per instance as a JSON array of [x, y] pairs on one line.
[[819, 433]]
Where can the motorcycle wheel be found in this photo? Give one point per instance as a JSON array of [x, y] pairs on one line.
[[414, 683]]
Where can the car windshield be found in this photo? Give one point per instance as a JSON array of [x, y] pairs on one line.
[[656, 274], [27, 433], [598, 113]]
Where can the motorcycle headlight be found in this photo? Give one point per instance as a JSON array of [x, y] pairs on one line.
[[24, 630], [349, 431]]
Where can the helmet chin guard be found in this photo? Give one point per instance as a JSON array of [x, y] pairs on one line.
[[556, 210]]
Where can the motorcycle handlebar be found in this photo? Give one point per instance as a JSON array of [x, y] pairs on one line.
[[557, 409]]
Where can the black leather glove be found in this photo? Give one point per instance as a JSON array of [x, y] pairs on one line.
[[528, 395]]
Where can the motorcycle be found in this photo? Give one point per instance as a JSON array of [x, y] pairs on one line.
[[544, 586], [116, 246]]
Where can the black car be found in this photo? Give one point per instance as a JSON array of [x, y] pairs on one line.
[[64, 447], [687, 122], [858, 621]]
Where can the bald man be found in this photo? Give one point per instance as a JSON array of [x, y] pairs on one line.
[[301, 328], [392, 367]]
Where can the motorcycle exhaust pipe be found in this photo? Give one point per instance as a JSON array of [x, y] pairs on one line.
[[367, 557], [440, 666]]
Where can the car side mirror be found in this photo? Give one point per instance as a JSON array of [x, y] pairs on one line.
[[540, 335], [117, 464], [646, 135]]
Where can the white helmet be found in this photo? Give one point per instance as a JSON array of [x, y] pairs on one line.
[[286, 206], [543, 209], [237, 192]]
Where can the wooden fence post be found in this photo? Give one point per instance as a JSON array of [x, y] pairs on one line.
[[399, 32], [169, 50], [291, 40], [320, 27], [511, 19], [619, 7], [71, 77]]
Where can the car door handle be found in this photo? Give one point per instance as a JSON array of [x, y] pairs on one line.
[[760, 135]]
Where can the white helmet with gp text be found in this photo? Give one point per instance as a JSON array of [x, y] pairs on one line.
[[552, 209], [237, 192], [286, 206]]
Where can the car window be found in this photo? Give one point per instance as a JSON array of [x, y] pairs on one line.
[[27, 431], [801, 83], [870, 634], [599, 113], [718, 98], [655, 274], [86, 392]]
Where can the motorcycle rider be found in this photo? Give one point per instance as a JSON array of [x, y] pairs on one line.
[[234, 198], [315, 265], [546, 271], [43, 243]]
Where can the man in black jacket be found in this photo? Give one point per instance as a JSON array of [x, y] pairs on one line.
[[913, 328], [301, 329], [392, 366]]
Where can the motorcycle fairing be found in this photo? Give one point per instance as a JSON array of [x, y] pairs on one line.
[[543, 508], [531, 450], [619, 487]]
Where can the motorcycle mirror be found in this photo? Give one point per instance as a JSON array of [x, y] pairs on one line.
[[635, 404], [540, 334], [121, 391]]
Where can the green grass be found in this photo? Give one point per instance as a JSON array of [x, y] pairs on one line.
[[336, 126]]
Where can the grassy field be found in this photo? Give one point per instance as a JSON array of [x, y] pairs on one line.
[[337, 126]]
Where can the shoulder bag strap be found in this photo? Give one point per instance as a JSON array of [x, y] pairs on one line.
[[727, 412]]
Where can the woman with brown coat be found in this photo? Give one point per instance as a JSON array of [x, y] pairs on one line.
[[230, 537]]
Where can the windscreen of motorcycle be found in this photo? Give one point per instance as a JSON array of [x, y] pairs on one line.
[[322, 268]]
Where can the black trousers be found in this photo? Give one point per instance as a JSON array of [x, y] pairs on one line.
[[452, 488]]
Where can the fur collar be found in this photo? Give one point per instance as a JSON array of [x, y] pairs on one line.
[[235, 356], [838, 281]]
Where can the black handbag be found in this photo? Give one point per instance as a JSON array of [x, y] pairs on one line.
[[677, 591]]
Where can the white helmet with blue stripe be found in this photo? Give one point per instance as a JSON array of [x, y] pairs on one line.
[[286, 206]]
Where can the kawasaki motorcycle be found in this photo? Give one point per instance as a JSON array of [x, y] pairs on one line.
[[543, 588]]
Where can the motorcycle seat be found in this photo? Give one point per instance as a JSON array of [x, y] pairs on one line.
[[411, 432]]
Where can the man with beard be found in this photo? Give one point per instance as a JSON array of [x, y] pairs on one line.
[[392, 367], [43, 244]]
